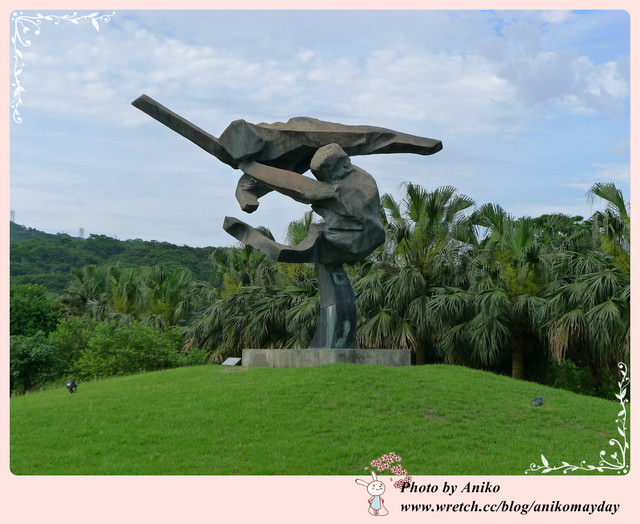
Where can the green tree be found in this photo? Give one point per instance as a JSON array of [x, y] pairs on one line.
[[272, 309], [71, 339], [594, 308], [32, 309], [426, 234], [41, 258], [88, 285], [240, 266], [298, 230], [427, 228], [586, 313], [170, 295], [613, 225], [32, 361], [155, 295], [487, 315]]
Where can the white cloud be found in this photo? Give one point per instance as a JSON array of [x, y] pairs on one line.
[[536, 209], [305, 55], [604, 79], [556, 17], [617, 173], [90, 75], [567, 81]]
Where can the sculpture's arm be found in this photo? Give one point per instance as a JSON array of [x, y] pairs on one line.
[[185, 128], [294, 185]]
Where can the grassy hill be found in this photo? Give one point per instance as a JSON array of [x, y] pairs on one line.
[[328, 420]]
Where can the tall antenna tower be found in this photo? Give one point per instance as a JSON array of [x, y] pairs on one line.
[[13, 215]]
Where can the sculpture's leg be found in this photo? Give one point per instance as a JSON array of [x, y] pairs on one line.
[[305, 251], [338, 320]]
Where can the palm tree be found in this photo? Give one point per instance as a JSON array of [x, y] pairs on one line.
[[303, 306], [270, 313], [384, 301], [613, 225], [87, 284], [155, 295], [427, 233], [299, 229], [586, 316], [490, 315], [125, 289], [168, 297], [426, 228], [590, 313], [239, 265], [263, 304]]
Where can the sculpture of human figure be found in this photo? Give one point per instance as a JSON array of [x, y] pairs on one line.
[[344, 195], [274, 157]]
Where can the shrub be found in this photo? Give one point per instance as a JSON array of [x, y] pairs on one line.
[[122, 350], [193, 357], [574, 378], [71, 338]]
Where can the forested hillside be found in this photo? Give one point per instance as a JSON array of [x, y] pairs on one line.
[[42, 258]]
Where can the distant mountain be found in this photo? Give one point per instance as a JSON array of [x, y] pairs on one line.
[[18, 233], [42, 258]]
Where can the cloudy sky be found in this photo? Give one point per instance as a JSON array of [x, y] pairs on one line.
[[532, 108]]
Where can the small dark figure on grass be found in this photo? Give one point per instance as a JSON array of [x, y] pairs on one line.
[[72, 386], [538, 401]]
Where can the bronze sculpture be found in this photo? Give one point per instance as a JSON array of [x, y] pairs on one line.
[[274, 157]]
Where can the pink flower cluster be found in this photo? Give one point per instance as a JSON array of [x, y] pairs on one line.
[[386, 462], [398, 483], [398, 470]]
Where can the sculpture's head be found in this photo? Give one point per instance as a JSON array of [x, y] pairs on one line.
[[330, 163]]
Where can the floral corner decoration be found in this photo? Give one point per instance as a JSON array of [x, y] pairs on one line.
[[616, 461]]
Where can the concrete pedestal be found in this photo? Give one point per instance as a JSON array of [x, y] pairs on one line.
[[293, 358]]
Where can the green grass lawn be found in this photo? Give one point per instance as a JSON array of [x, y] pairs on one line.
[[327, 420]]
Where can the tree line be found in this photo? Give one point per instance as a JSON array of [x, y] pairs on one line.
[[544, 299], [42, 258]]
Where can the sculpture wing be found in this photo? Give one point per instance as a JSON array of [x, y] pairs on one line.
[[291, 145], [288, 145]]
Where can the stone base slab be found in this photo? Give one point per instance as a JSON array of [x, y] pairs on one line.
[[293, 358]]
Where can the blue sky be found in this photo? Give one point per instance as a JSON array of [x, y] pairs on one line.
[[532, 108]]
